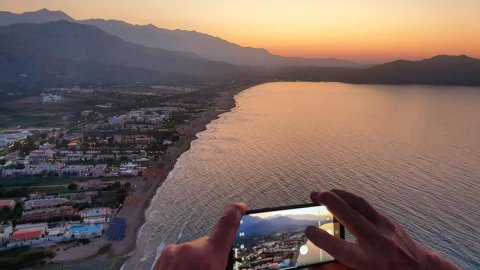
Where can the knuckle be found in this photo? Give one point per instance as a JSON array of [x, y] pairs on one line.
[[185, 248], [168, 251], [328, 196], [228, 220]]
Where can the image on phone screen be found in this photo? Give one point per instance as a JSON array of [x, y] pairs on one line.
[[275, 239]]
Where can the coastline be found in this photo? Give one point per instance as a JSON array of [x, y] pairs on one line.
[[134, 215], [222, 104]]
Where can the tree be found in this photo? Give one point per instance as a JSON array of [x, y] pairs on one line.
[[127, 185], [121, 197], [19, 166], [117, 184], [72, 186]]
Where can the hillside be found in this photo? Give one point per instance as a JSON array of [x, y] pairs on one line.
[[39, 16], [205, 46], [65, 51], [439, 70]]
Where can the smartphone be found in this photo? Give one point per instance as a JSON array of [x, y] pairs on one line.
[[274, 238]]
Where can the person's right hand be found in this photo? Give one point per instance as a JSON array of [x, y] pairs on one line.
[[381, 243]]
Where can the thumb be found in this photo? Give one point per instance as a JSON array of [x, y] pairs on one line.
[[226, 229]]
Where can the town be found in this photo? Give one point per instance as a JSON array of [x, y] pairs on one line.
[[90, 177]]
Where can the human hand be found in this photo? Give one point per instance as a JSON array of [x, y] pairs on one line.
[[207, 252], [332, 266], [381, 242]]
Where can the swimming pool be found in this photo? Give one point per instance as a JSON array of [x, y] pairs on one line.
[[86, 229]]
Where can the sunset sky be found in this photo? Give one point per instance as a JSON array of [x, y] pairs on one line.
[[370, 30]]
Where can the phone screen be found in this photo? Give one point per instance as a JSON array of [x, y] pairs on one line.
[[275, 238]]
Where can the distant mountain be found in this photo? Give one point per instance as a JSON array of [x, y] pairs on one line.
[[253, 226], [205, 46], [439, 70], [40, 16], [64, 51]]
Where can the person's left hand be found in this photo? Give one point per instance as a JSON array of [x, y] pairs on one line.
[[207, 252]]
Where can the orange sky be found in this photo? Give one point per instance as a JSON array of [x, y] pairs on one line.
[[368, 30]]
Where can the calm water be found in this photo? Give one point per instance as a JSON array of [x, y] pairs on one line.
[[414, 151]]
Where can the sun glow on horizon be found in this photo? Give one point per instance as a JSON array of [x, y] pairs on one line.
[[366, 31]]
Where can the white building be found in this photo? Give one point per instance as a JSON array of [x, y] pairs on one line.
[[51, 98]]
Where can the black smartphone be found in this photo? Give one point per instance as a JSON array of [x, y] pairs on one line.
[[274, 238]]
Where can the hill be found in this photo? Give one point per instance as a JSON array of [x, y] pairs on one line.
[[63, 51], [39, 16], [438, 70], [205, 46]]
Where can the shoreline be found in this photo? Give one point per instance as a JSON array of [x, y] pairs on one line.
[[135, 216], [222, 104]]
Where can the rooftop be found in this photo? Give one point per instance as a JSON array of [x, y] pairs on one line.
[[26, 234]]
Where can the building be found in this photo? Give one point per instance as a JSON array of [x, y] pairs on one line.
[[57, 233], [44, 203], [5, 232], [37, 195], [51, 98], [128, 169], [7, 203], [40, 156], [96, 220], [72, 146], [47, 213], [28, 234], [95, 212]]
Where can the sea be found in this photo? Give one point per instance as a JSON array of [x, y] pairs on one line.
[[412, 151]]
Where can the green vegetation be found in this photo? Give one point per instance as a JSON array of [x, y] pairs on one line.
[[23, 257], [18, 187], [72, 186], [158, 137], [14, 192], [7, 214], [177, 119], [112, 195], [106, 198], [24, 147], [50, 190], [28, 181]]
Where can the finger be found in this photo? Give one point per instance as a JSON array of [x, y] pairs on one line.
[[346, 252], [166, 258], [355, 223], [332, 266], [360, 205], [226, 228]]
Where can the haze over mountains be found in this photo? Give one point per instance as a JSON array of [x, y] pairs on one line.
[[206, 46], [438, 70], [46, 48], [64, 51]]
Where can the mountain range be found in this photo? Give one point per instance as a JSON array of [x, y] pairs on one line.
[[46, 48], [63, 51], [205, 46], [438, 70], [253, 226]]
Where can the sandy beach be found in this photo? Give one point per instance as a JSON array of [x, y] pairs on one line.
[[144, 188]]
